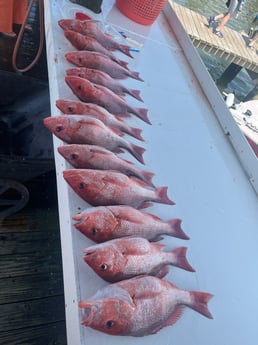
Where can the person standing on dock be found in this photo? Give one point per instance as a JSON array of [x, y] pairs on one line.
[[253, 41], [234, 8], [11, 12]]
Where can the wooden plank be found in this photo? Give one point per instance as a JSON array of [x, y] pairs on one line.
[[29, 263], [202, 28], [29, 287], [48, 334], [191, 24], [185, 21], [28, 242], [31, 313], [24, 221]]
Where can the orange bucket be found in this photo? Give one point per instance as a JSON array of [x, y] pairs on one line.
[[141, 11]]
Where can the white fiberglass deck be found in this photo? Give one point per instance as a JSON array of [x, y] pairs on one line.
[[189, 151]]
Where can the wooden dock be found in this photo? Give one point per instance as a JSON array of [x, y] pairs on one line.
[[31, 280], [232, 47]]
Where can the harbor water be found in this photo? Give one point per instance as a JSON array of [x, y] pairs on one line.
[[242, 83]]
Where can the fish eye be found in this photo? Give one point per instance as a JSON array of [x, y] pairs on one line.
[[94, 231], [80, 59], [59, 128], [70, 109], [104, 267], [110, 324], [79, 87], [81, 185], [71, 27]]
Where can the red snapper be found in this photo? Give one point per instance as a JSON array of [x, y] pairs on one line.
[[124, 258], [105, 223], [107, 187], [140, 306]]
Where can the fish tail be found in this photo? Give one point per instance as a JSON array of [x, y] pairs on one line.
[[135, 94], [176, 230], [137, 152], [125, 49], [180, 260], [142, 114], [161, 196], [199, 301], [135, 132], [135, 75]]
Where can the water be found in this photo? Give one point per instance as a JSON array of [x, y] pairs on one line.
[[242, 83]]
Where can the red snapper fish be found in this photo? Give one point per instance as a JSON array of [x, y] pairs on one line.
[[83, 129], [101, 114], [82, 108], [104, 79], [104, 223], [124, 258], [108, 187], [97, 157], [101, 62], [140, 306], [89, 28], [82, 42], [98, 94]]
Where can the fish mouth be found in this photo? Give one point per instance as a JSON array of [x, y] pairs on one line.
[[61, 23], [78, 218], [88, 312], [88, 255]]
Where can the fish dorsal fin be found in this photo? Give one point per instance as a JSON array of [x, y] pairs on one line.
[[177, 313]]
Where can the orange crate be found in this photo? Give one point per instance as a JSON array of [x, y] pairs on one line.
[[141, 11]]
